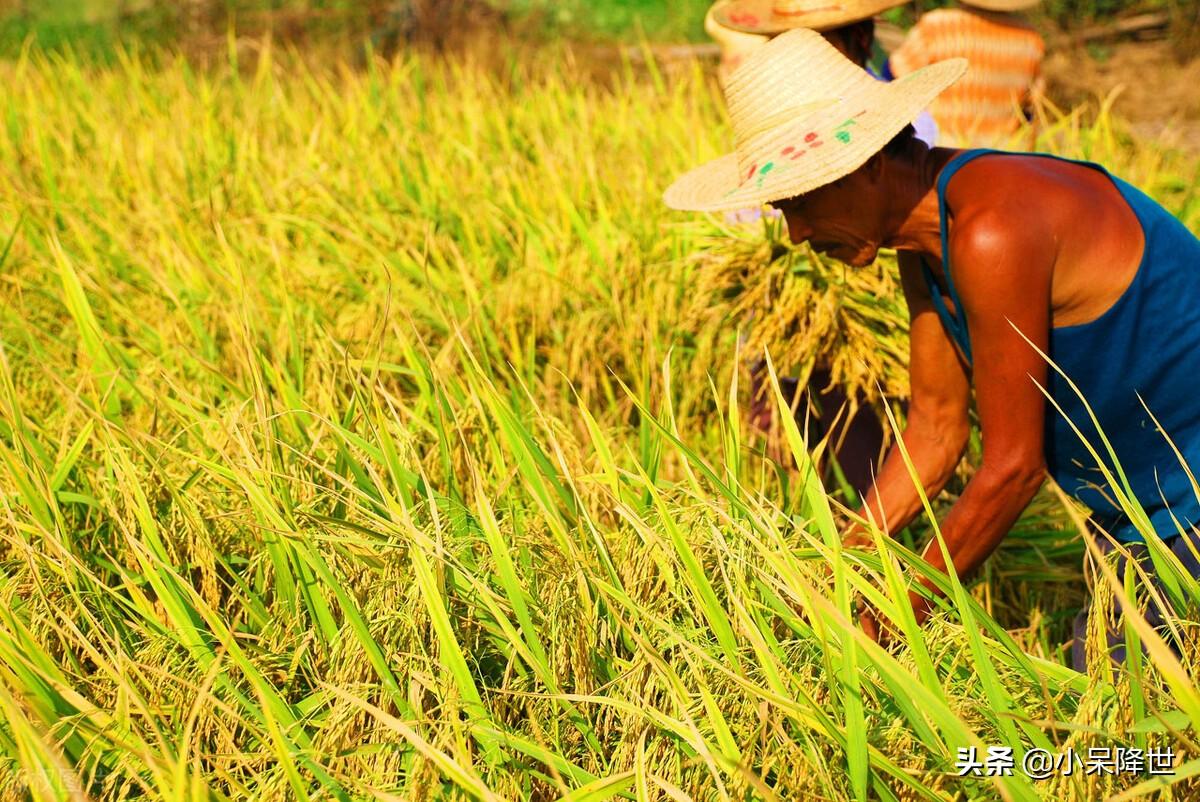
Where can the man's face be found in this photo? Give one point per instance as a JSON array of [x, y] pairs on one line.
[[839, 219]]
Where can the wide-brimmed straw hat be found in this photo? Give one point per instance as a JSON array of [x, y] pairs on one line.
[[803, 115], [776, 16], [1001, 5], [735, 44]]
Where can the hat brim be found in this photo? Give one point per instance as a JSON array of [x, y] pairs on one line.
[[760, 16], [1001, 5], [801, 156]]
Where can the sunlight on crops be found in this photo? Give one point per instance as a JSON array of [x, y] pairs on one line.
[[373, 434]]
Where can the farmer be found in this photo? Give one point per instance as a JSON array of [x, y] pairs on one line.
[[1005, 54], [1013, 256], [740, 27]]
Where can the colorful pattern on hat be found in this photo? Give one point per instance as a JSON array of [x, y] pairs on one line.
[[776, 16]]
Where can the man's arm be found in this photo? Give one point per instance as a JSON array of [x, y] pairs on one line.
[[1003, 263], [936, 430]]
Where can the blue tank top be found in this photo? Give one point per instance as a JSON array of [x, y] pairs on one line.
[[1147, 345]]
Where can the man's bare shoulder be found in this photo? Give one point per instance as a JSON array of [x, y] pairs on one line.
[[1009, 204], [998, 208]]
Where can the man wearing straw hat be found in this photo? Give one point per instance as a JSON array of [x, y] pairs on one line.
[[1005, 55], [1017, 256], [740, 27]]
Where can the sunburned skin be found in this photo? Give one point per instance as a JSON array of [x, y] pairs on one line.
[[1094, 235], [1034, 244]]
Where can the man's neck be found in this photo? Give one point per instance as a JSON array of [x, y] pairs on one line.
[[918, 224]]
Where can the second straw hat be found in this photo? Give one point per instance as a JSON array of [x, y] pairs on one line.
[[1001, 5], [775, 16]]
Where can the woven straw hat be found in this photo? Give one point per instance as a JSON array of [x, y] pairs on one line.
[[776, 16], [1001, 5], [803, 116], [735, 45]]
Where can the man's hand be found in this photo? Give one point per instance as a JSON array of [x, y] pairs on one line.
[[875, 625], [869, 621], [882, 629], [857, 537]]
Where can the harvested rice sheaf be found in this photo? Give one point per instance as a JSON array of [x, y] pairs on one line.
[[807, 312]]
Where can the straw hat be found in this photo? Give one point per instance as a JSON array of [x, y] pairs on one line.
[[775, 16], [1001, 5], [804, 115], [735, 45]]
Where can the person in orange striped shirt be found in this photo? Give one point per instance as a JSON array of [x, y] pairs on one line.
[[986, 107]]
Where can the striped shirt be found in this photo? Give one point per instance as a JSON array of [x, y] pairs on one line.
[[1005, 53]]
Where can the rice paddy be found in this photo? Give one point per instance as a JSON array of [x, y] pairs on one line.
[[374, 433]]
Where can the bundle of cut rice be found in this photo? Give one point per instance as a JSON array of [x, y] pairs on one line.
[[809, 312]]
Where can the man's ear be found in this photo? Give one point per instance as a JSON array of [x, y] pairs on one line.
[[873, 169]]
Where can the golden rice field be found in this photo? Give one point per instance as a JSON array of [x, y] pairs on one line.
[[374, 433]]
